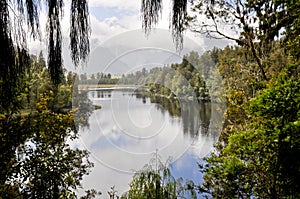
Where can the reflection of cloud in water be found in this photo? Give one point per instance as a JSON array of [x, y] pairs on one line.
[[117, 150]]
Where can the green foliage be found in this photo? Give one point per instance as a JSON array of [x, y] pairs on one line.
[[156, 181], [37, 160], [242, 81], [259, 159], [184, 80], [45, 166], [38, 82], [91, 194], [13, 66], [98, 78], [49, 167], [13, 132]]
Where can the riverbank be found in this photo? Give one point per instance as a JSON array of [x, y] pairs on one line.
[[145, 88], [92, 86]]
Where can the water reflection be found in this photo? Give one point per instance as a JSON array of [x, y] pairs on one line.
[[131, 126], [196, 117]]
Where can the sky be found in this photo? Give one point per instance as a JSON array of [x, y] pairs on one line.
[[120, 20]]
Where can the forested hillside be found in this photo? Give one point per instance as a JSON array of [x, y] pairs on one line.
[[187, 79]]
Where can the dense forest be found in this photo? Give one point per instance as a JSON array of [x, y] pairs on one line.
[[254, 155], [182, 80], [258, 149]]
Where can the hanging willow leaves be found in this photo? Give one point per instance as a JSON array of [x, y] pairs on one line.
[[13, 61], [19, 20], [55, 39], [80, 31], [179, 15], [33, 17], [151, 9]]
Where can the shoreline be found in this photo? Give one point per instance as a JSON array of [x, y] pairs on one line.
[[91, 87], [95, 86]]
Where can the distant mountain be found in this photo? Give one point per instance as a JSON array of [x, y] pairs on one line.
[[132, 50]]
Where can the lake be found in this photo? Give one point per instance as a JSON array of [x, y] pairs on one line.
[[132, 128]]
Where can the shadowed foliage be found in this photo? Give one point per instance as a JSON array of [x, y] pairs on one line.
[[150, 13], [19, 20], [80, 30], [151, 9], [177, 24]]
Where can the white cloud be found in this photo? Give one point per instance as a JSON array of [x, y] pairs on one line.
[[102, 29], [120, 4]]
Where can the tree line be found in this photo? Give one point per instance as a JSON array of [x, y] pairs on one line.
[[187, 79], [97, 78]]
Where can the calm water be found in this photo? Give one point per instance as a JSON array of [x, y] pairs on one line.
[[132, 128]]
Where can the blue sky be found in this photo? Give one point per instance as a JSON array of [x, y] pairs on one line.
[[102, 13]]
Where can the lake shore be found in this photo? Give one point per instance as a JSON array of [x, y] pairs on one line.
[[92, 86]]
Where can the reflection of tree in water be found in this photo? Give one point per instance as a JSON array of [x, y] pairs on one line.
[[195, 116], [140, 94], [190, 118], [100, 94], [83, 106], [107, 93], [104, 94], [205, 116], [172, 106]]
